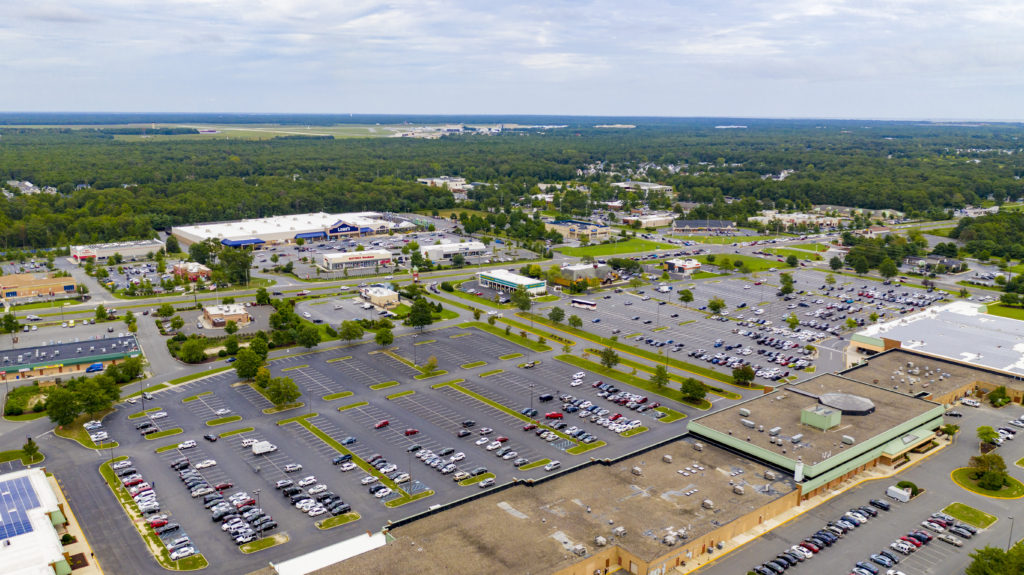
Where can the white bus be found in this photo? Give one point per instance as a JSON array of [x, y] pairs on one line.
[[584, 304]]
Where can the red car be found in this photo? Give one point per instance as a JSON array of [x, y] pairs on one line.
[[553, 415], [529, 426], [223, 486], [810, 546], [912, 541], [381, 424], [158, 523], [411, 431], [501, 439]]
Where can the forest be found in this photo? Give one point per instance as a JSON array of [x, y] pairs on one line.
[[113, 189]]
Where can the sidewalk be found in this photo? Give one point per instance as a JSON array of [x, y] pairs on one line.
[[81, 545]]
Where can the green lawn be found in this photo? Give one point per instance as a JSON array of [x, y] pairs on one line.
[[400, 394], [632, 245], [962, 477], [337, 520], [754, 264], [223, 420], [192, 398], [339, 395], [13, 454], [704, 275], [383, 385], [26, 416], [969, 515], [283, 408], [535, 464], [812, 247], [633, 380], [477, 479], [1005, 311], [672, 415], [75, 432], [473, 364], [261, 544], [546, 298], [786, 252], [513, 336], [236, 431], [713, 239], [166, 433]]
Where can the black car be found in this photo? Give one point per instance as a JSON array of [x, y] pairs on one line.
[[342, 458], [478, 471], [413, 448], [126, 471], [339, 509], [169, 528], [289, 491], [468, 423], [299, 497], [210, 437], [880, 504]]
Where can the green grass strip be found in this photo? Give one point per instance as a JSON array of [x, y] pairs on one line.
[[408, 499], [26, 416], [283, 408], [400, 394], [425, 342], [661, 328], [456, 335], [629, 379], [333, 396], [473, 364], [151, 389], [260, 544], [353, 405], [430, 375], [512, 336], [477, 479], [13, 454], [644, 367], [962, 477], [584, 447], [347, 357], [510, 356], [535, 464], [446, 383], [223, 420], [166, 448], [193, 397], [166, 433], [634, 431], [970, 515], [236, 431], [200, 375], [492, 372], [293, 368], [337, 521], [620, 346], [143, 413], [383, 385], [671, 414]]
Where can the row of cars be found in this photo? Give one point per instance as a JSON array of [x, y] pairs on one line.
[[178, 545], [96, 432], [829, 535]]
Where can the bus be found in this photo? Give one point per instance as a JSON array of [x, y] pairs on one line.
[[584, 304]]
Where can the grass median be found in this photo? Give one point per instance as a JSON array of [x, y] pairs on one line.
[[492, 372], [535, 464], [165, 433], [333, 396], [139, 414], [13, 454], [194, 397], [400, 394], [963, 478], [644, 367], [200, 375], [236, 431], [477, 479], [383, 385], [630, 380], [223, 420], [511, 336], [511, 356], [970, 515], [353, 405], [473, 364], [337, 521], [75, 432], [670, 414], [265, 543]]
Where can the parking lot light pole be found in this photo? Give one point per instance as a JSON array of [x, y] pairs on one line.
[[260, 528], [1009, 541]]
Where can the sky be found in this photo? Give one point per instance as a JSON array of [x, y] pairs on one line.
[[879, 59]]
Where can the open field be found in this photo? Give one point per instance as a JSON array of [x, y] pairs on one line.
[[630, 246]]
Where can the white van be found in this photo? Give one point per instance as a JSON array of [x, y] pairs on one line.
[[970, 402]]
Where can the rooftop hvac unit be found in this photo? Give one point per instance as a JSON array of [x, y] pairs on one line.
[[771, 439], [737, 489], [744, 412], [637, 471], [747, 423], [774, 431], [669, 539], [760, 428], [769, 475], [698, 447], [707, 504], [619, 532], [797, 438], [848, 440], [600, 541], [666, 458], [579, 550]]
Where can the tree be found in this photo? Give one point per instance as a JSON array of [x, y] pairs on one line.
[[420, 315], [350, 330], [231, 327], [835, 263], [987, 435], [521, 299], [716, 305], [792, 321], [171, 245], [262, 297], [165, 310], [851, 323], [635, 282], [192, 351], [609, 358], [949, 429], [231, 345], [996, 561], [384, 337], [92, 399], [873, 317], [887, 268], [458, 260], [743, 376], [988, 462], [101, 312], [262, 377], [177, 323], [860, 265], [830, 279], [247, 363], [258, 345], [792, 261], [30, 449], [431, 365], [282, 390], [686, 296], [62, 406], [307, 336], [998, 396], [787, 283], [659, 378], [1010, 299], [575, 321], [10, 324], [556, 314], [692, 390]]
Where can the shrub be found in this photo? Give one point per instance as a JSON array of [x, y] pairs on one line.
[[992, 480], [222, 353], [914, 490], [66, 538]]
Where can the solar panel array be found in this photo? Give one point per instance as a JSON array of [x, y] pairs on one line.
[[16, 497]]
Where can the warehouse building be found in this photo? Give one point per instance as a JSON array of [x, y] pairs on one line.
[[70, 359], [289, 229], [337, 261], [712, 226], [32, 520], [578, 230], [17, 288], [445, 252], [577, 272], [128, 250], [825, 430], [508, 282], [650, 220]]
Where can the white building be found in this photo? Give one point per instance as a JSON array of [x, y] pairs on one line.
[[650, 220], [682, 266], [451, 182], [289, 229], [444, 252], [30, 513], [643, 187], [336, 261], [508, 282], [773, 218], [128, 250]]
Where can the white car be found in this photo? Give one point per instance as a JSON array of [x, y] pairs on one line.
[[157, 415], [205, 463], [318, 488], [579, 375], [458, 456], [510, 455], [222, 411], [576, 383], [122, 464], [388, 468], [382, 493], [482, 441], [308, 480], [402, 478], [493, 446], [348, 466], [183, 553], [368, 480], [98, 436], [315, 511], [306, 315], [187, 444], [293, 467]]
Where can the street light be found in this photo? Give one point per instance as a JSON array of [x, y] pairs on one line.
[[260, 527], [1010, 540]]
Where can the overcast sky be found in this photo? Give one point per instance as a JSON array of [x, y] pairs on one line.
[[938, 59]]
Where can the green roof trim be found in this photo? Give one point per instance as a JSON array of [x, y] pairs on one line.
[[62, 568], [57, 518]]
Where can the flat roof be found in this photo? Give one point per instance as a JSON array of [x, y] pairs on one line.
[[782, 408], [30, 541], [92, 349], [532, 529], [937, 375], [292, 225], [961, 331], [128, 244], [507, 276], [353, 256], [454, 247]]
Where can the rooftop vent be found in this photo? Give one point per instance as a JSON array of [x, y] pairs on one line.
[[774, 431], [707, 504], [848, 440], [744, 412], [747, 423]]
